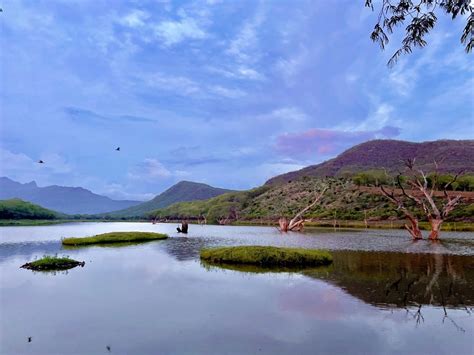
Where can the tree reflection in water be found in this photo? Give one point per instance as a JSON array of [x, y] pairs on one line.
[[402, 280]]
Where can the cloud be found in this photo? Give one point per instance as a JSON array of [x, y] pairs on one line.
[[153, 171], [269, 170], [149, 170], [244, 47], [379, 118], [83, 115], [184, 86], [192, 156], [21, 167], [119, 192], [238, 72], [287, 114], [290, 67], [174, 32], [317, 141], [226, 92], [178, 84], [135, 18]]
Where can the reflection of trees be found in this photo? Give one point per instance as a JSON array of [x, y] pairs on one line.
[[402, 280], [408, 281]]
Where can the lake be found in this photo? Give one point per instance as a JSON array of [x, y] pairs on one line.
[[384, 294]]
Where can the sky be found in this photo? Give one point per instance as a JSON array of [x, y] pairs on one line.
[[228, 93]]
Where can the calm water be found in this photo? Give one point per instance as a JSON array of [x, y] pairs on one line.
[[383, 295]]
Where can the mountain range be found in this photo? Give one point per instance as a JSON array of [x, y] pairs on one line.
[[69, 200], [452, 156]]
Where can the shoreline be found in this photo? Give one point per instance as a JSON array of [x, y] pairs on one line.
[[326, 224]]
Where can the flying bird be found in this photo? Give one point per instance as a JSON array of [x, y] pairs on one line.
[[117, 149], [108, 347], [40, 162], [29, 339]]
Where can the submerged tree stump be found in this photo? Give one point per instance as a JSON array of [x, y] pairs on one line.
[[184, 228]]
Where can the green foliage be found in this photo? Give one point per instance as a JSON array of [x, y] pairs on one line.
[[421, 19], [462, 183], [19, 209], [267, 256], [343, 200], [373, 177], [213, 209], [115, 237]]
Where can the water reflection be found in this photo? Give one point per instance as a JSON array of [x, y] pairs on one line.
[[158, 298], [401, 280], [392, 279]]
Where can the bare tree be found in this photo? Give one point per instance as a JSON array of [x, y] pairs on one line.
[[296, 224], [414, 227], [435, 213]]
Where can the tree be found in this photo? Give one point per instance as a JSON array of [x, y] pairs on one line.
[[297, 222], [435, 211], [421, 19]]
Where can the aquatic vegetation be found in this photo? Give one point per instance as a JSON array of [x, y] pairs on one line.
[[50, 263], [115, 237], [267, 256]]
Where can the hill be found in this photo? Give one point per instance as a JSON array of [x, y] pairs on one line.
[[344, 200], [182, 191], [19, 209], [69, 200], [452, 156]]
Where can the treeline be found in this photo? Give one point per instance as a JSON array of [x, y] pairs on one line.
[[19, 209], [380, 177]]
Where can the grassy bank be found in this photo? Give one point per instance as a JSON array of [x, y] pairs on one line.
[[28, 222], [266, 256], [50, 263], [115, 237]]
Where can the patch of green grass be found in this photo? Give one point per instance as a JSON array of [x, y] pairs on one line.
[[115, 237], [266, 256], [47, 263]]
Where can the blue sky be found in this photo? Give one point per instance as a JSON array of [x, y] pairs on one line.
[[229, 93]]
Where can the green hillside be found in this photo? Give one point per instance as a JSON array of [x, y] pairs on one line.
[[19, 209], [343, 200]]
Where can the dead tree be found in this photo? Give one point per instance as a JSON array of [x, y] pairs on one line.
[[413, 228], [418, 181], [202, 220], [436, 215], [184, 227], [296, 224], [223, 220]]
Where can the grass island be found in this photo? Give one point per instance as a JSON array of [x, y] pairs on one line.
[[266, 256], [52, 263], [115, 237]]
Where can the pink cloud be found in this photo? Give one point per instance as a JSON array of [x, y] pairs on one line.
[[327, 141]]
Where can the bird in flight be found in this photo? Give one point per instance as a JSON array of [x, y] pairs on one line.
[[29, 339], [117, 149], [40, 162]]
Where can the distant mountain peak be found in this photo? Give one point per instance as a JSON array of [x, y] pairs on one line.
[[31, 184], [70, 200], [180, 192]]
